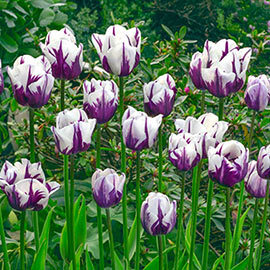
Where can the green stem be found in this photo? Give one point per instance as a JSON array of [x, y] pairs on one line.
[[195, 194], [62, 93], [3, 240], [99, 215], [180, 227], [251, 130], [22, 229], [160, 158], [160, 252], [203, 102], [221, 109], [71, 203], [207, 225], [263, 226], [228, 230], [138, 208], [123, 169], [109, 224], [253, 232]]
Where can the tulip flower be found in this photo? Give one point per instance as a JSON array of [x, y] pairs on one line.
[[159, 96], [118, 49], [254, 184], [64, 55], [263, 162], [139, 130], [207, 126], [158, 214], [25, 185], [31, 80], [220, 68], [73, 131], [228, 163], [1, 79], [100, 99], [107, 187]]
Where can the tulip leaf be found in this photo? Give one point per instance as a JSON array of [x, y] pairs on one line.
[[46, 17], [242, 265], [64, 243], [77, 258], [182, 261], [118, 263], [8, 43], [89, 264], [218, 261]]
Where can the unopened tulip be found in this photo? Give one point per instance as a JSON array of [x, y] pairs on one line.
[[1, 79], [107, 187], [64, 55], [25, 185], [73, 131], [159, 96], [118, 49], [254, 184], [100, 99], [31, 80], [139, 130], [263, 162], [158, 214], [228, 163]]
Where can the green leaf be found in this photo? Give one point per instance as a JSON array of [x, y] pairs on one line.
[[60, 18], [13, 105], [64, 243], [182, 32], [118, 263], [89, 264], [242, 265], [41, 3], [78, 255], [8, 43], [168, 31], [218, 261], [46, 17]]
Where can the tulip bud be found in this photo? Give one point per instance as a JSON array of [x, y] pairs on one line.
[[1, 79], [100, 99], [228, 163], [107, 187], [118, 49], [25, 185], [64, 55], [31, 80], [158, 214], [159, 96], [139, 130], [73, 131], [263, 162], [254, 184]]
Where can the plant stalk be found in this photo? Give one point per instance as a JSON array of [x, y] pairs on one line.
[[160, 158], [160, 252], [109, 224], [228, 230], [203, 102], [62, 93], [221, 109], [22, 247]]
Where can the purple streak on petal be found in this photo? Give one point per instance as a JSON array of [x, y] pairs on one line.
[[125, 68], [196, 76], [98, 41], [105, 64]]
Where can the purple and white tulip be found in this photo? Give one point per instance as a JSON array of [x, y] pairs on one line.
[[139, 130], [1, 79], [254, 184], [263, 162], [73, 131], [64, 55], [257, 93], [100, 99], [107, 187], [159, 96], [118, 49], [220, 68], [185, 150], [25, 185], [158, 214], [31, 80], [228, 163], [206, 126]]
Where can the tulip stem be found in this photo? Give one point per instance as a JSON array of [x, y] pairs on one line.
[[62, 92], [22, 240], [180, 228], [221, 109], [3, 241], [123, 169], [109, 224], [99, 215], [253, 232], [160, 158], [195, 194], [138, 206], [160, 252], [203, 102], [263, 226], [228, 230], [251, 130], [32, 159]]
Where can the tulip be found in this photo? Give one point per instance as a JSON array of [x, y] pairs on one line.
[[228, 163], [25, 185], [118, 49], [257, 93], [1, 79], [100, 99], [263, 162], [159, 96], [31, 80], [254, 184], [64, 55], [158, 214], [73, 131], [139, 130], [107, 187]]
